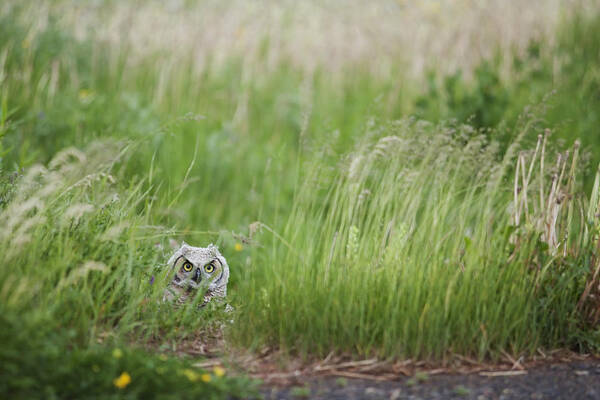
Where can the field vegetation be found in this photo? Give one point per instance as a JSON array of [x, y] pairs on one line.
[[369, 202]]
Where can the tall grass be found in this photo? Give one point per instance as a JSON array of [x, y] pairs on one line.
[[560, 72], [410, 248], [81, 267], [344, 231]]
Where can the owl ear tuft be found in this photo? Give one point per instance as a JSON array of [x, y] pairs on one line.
[[178, 253], [184, 248], [214, 250]]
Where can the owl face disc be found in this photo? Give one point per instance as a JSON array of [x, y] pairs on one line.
[[197, 269]]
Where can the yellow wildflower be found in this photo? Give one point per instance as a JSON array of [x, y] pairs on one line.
[[122, 381], [191, 375], [205, 378], [117, 353], [219, 371], [238, 247], [86, 95]]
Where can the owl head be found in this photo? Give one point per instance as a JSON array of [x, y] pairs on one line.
[[197, 269]]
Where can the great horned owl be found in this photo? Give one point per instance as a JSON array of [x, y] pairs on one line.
[[197, 268]]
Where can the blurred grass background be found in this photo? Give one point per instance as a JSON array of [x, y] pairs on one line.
[[196, 119]]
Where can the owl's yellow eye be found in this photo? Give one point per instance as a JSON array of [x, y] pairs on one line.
[[209, 268], [187, 266]]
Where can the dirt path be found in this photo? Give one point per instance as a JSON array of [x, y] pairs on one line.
[[573, 380]]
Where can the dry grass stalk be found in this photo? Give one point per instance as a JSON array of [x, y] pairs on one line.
[[450, 33], [503, 373], [556, 201], [553, 219]]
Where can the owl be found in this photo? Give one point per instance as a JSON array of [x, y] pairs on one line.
[[197, 269]]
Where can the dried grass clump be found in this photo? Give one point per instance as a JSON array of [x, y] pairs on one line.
[[548, 203]]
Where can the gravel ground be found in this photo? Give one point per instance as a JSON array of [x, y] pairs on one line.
[[574, 380]]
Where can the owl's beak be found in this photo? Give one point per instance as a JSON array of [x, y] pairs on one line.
[[197, 277]]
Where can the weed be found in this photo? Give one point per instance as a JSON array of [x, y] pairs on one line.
[[300, 391], [461, 390]]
